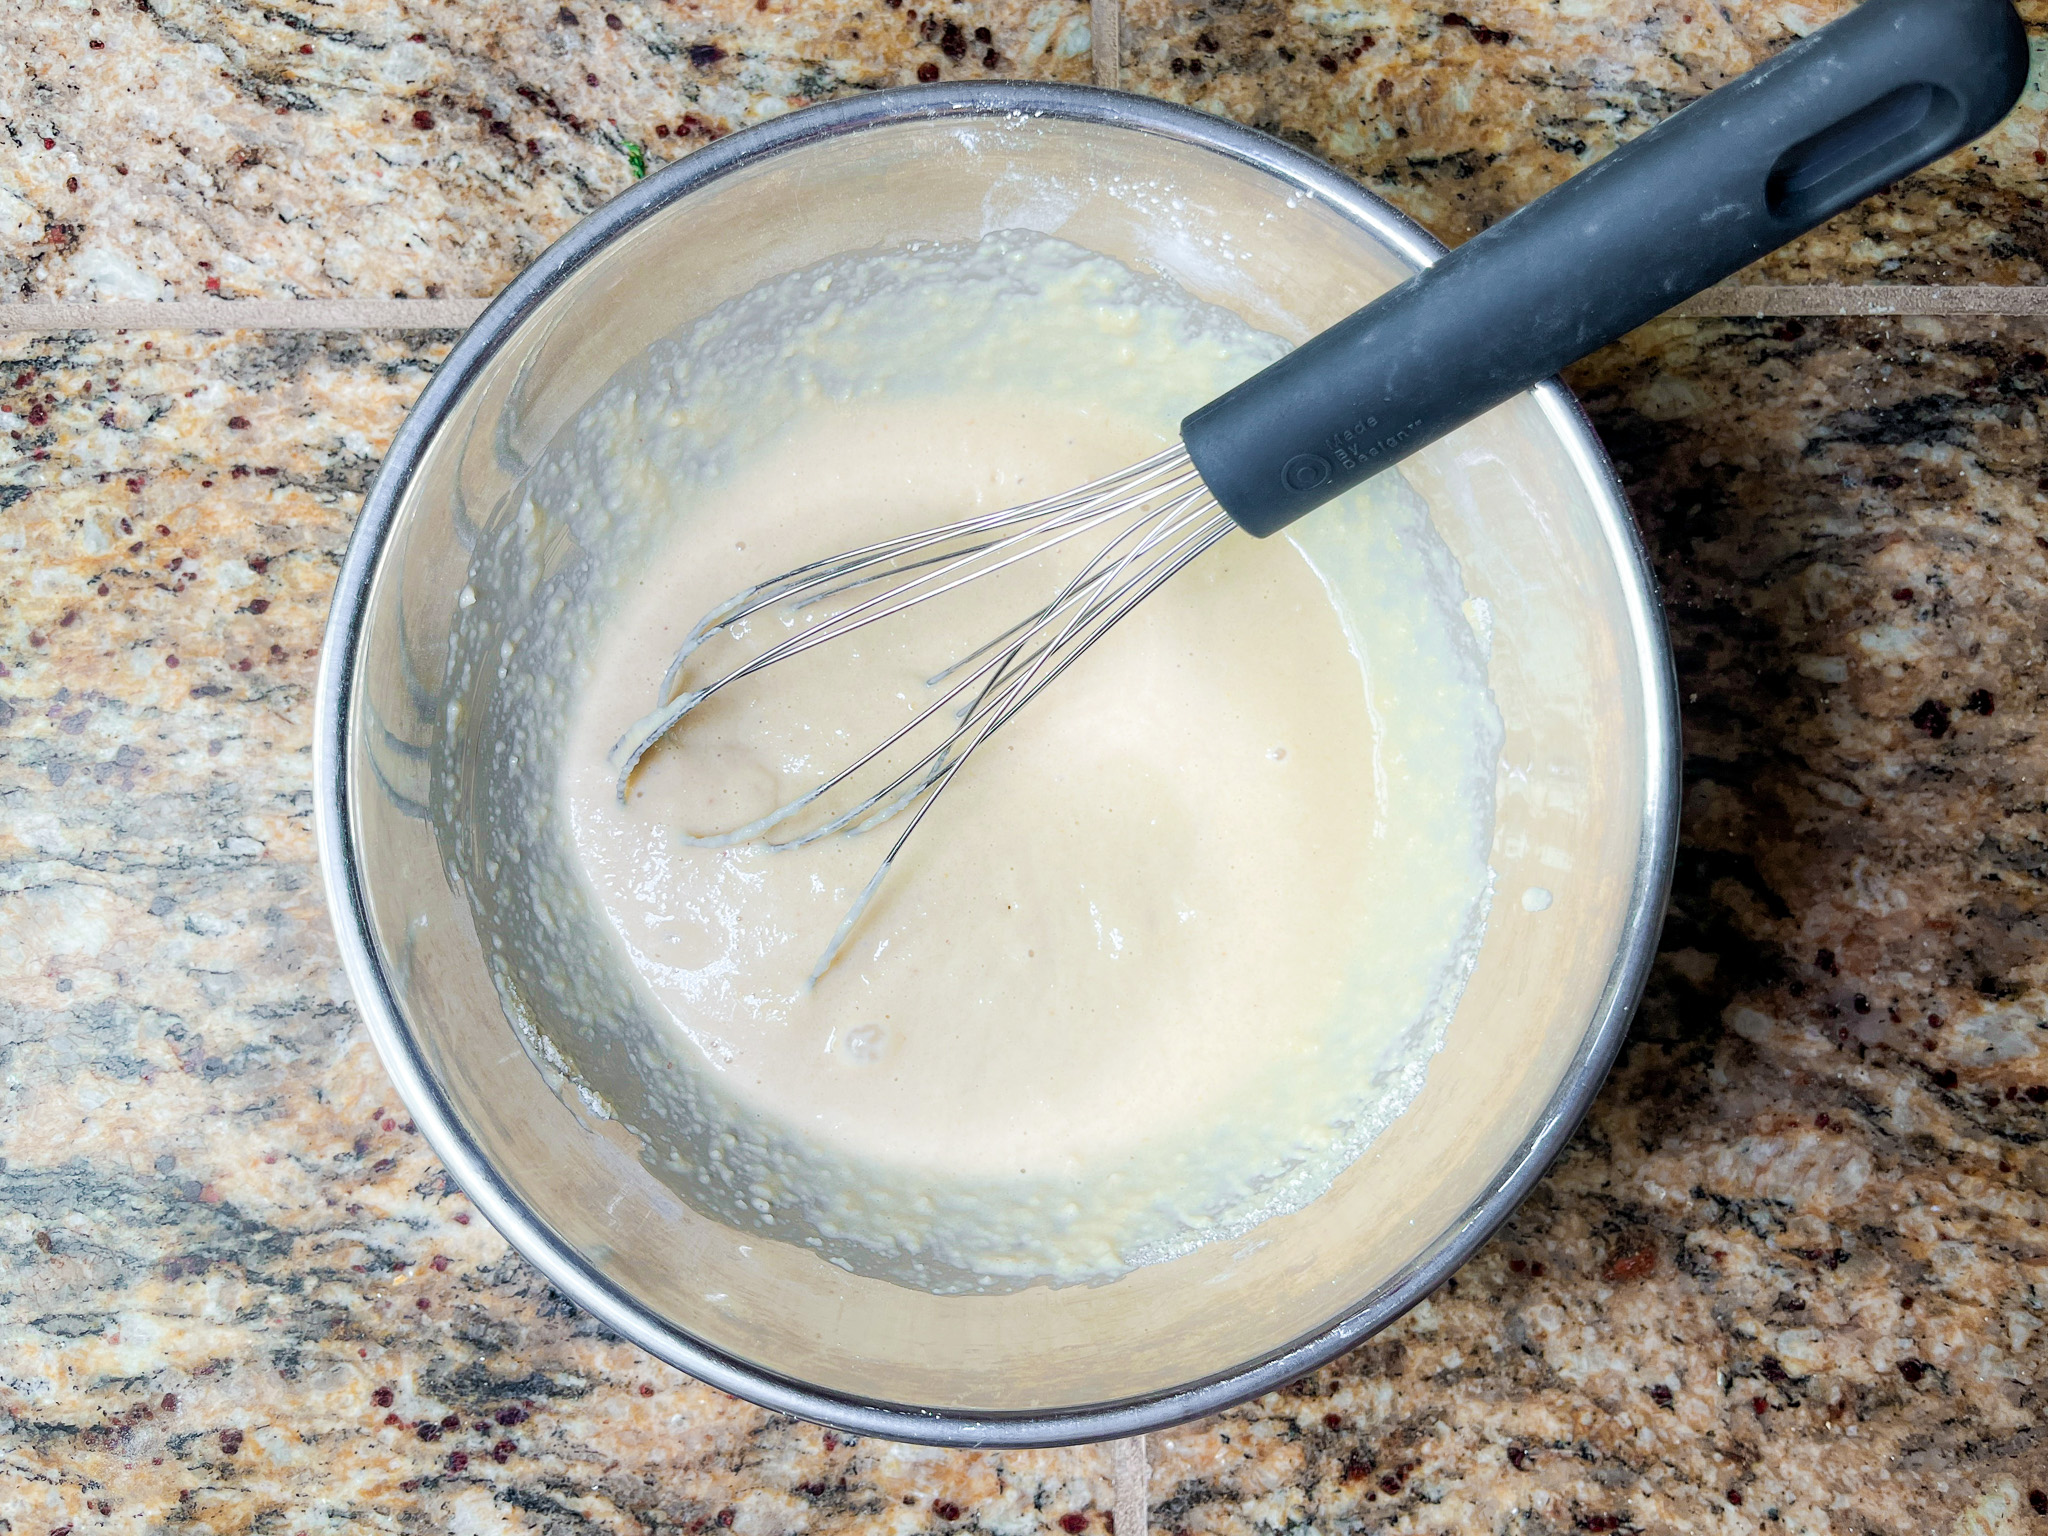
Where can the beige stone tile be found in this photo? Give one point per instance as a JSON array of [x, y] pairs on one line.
[[1786, 1277], [239, 1292], [376, 147], [1458, 122]]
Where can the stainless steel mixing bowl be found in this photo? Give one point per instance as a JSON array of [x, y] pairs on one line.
[[1586, 806]]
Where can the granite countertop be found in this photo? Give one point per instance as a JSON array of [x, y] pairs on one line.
[[1790, 1276]]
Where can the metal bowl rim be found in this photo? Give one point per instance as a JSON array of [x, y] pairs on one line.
[[560, 1262]]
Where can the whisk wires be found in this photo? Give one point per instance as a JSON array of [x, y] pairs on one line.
[[1154, 518]]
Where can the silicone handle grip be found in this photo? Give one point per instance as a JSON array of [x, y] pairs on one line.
[[1827, 122]]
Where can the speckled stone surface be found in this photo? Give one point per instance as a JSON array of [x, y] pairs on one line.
[[1794, 1260], [1461, 116], [413, 147]]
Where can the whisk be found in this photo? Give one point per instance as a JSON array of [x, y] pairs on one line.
[[1828, 121]]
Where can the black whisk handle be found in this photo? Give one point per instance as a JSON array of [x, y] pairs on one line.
[[1828, 121]]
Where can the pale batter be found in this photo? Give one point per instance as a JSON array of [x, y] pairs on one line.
[[1169, 952]]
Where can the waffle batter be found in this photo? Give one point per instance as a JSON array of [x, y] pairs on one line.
[[1169, 952]]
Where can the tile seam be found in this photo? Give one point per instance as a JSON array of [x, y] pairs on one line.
[[239, 314], [1754, 300], [1822, 300], [1130, 1483], [1106, 42]]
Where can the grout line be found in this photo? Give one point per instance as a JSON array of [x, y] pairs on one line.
[[1106, 41], [1819, 300], [1729, 300], [1130, 1481], [241, 314]]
